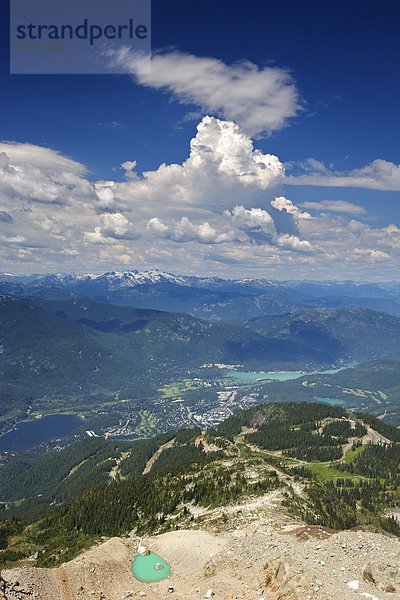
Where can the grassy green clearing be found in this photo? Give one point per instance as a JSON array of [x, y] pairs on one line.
[[178, 388], [327, 473], [352, 454], [322, 470], [245, 451], [148, 423]]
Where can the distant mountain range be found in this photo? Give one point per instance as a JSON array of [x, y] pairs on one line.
[[76, 348], [211, 298], [93, 339]]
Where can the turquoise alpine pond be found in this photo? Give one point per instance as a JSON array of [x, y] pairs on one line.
[[144, 568]]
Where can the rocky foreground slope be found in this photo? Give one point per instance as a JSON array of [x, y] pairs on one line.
[[248, 551]]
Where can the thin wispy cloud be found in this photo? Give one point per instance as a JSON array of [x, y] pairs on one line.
[[377, 175], [340, 206], [109, 124]]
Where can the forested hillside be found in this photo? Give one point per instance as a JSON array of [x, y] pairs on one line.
[[59, 503], [79, 349], [358, 334]]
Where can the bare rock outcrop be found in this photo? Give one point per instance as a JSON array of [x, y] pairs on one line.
[[255, 552]]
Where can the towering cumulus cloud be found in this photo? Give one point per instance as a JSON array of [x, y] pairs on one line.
[[222, 170]]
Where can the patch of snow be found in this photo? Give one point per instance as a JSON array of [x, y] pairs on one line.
[[353, 585]]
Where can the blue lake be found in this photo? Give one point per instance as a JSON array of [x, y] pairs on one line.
[[244, 377], [29, 434], [332, 401]]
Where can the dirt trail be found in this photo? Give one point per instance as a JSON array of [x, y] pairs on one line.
[[156, 454], [114, 470], [54, 576], [251, 550], [371, 437], [63, 579]]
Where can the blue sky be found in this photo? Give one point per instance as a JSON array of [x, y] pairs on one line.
[[335, 135]]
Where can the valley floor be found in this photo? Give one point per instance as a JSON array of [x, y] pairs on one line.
[[246, 551]]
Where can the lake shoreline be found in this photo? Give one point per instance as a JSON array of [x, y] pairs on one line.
[[255, 376], [30, 433]]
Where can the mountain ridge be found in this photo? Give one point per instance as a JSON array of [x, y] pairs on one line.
[[212, 298], [291, 518]]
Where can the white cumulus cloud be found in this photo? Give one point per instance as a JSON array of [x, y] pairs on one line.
[[259, 99], [40, 174], [223, 169], [129, 165], [292, 242], [252, 219], [220, 210], [185, 231], [281, 203]]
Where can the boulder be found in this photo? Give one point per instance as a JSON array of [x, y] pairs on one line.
[[368, 574], [143, 551]]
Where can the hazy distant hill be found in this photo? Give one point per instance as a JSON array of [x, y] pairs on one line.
[[178, 338], [372, 387], [80, 347], [353, 289], [377, 375], [357, 334], [392, 307]]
